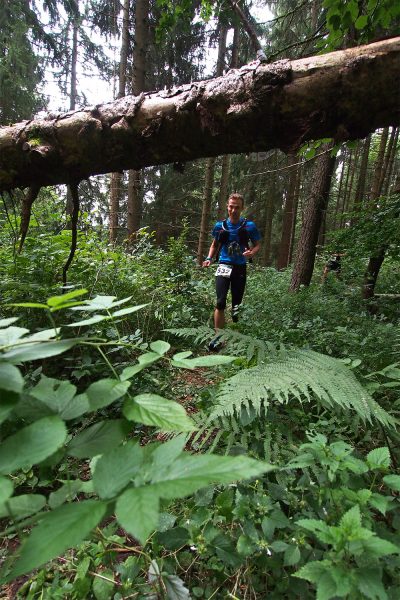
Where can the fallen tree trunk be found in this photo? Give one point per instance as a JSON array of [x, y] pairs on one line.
[[344, 95]]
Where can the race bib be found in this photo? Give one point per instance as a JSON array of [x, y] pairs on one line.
[[223, 271]]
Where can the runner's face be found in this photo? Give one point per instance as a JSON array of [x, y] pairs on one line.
[[234, 210]]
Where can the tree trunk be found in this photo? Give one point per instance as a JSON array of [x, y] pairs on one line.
[[69, 209], [226, 160], [295, 210], [376, 260], [116, 179], [345, 95], [362, 177], [269, 215], [287, 220], [395, 136], [317, 203], [206, 212], [135, 200], [210, 164]]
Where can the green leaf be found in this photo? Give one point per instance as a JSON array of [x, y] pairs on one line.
[[9, 400], [204, 361], [190, 472], [101, 303], [32, 444], [68, 491], [361, 22], [10, 378], [151, 409], [56, 394], [91, 321], [279, 546], [137, 511], [7, 322], [392, 481], [114, 470], [378, 547], [98, 439], [103, 589], [245, 546], [19, 507], [292, 556], [65, 298], [175, 587], [379, 458], [11, 335], [369, 582], [6, 489], [351, 520], [36, 351], [314, 570], [128, 311], [173, 539], [182, 355], [160, 347], [165, 454], [380, 502], [129, 372], [59, 530], [326, 587], [105, 391], [148, 358]]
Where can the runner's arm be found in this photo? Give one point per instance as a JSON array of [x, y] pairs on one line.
[[211, 253]]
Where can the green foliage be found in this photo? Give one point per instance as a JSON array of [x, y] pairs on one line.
[[301, 374], [127, 477], [354, 21]]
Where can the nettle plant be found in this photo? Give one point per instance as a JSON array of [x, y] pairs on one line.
[[50, 423]]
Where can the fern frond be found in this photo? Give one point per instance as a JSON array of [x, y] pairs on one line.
[[301, 374], [236, 343]]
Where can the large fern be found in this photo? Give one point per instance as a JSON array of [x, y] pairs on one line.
[[304, 375], [235, 343], [282, 375]]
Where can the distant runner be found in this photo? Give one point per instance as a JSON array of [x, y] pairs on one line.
[[231, 244], [334, 264]]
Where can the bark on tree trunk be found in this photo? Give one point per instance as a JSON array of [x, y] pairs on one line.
[[116, 179], [269, 215], [287, 220], [362, 177], [306, 248], [376, 260], [345, 94], [387, 182], [295, 211], [135, 201], [206, 212], [69, 209], [210, 164]]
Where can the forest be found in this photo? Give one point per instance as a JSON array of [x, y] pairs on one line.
[[138, 459]]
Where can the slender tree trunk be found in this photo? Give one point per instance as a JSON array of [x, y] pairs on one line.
[[210, 167], [206, 212], [226, 159], [376, 260], [269, 215], [346, 191], [388, 178], [295, 211], [69, 209], [306, 248], [116, 179], [287, 220], [340, 190], [362, 177], [135, 200]]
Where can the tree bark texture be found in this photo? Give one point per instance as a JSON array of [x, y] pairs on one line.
[[362, 177], [116, 178], [135, 200], [313, 215], [287, 219], [206, 211], [344, 94]]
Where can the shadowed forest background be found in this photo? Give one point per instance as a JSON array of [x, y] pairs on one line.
[[138, 464]]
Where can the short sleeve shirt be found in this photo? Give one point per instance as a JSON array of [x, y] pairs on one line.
[[235, 258]]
